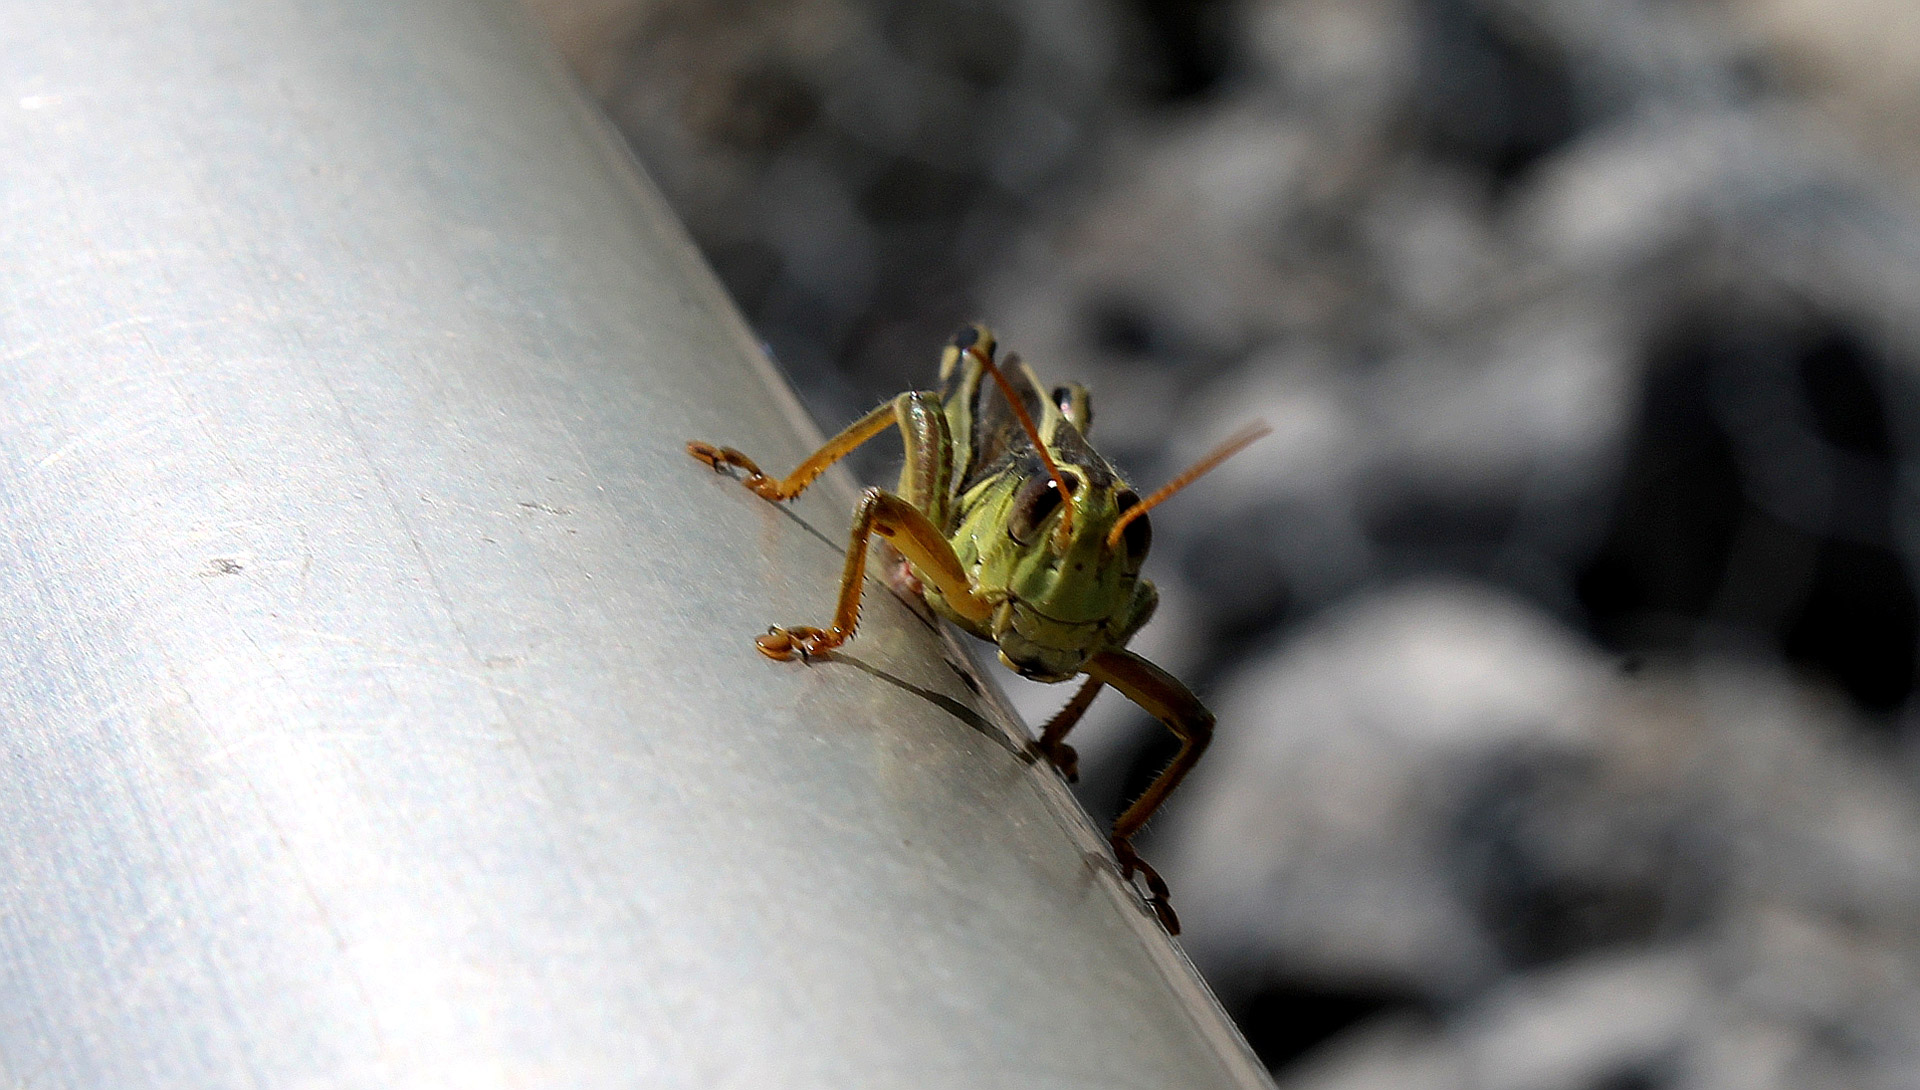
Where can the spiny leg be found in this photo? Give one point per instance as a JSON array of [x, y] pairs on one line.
[[807, 472], [1053, 737], [917, 539], [1175, 706]]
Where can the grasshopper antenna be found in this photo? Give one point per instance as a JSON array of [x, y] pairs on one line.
[[1239, 442], [1065, 529]]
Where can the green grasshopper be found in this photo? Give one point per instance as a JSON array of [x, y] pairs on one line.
[[1018, 532]]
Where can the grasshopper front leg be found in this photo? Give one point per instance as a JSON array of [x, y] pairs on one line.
[[917, 539], [909, 522], [807, 472], [1174, 705]]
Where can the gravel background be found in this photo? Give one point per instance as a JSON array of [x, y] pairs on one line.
[[1563, 636]]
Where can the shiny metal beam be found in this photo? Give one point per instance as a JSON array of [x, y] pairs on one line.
[[377, 705]]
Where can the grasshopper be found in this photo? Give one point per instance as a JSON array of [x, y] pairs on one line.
[[1014, 529]]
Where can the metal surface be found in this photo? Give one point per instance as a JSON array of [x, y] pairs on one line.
[[379, 707]]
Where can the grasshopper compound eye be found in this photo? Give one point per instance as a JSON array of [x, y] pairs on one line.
[[1038, 499], [1136, 533]]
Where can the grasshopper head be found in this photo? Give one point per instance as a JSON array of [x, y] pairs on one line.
[[1071, 595], [1066, 567]]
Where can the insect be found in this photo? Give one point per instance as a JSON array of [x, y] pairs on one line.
[[1017, 531]]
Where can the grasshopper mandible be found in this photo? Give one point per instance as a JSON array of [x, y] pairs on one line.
[[1022, 535]]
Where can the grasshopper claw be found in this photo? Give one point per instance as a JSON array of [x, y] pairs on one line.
[[719, 459], [783, 644], [1157, 891], [1063, 757], [715, 457], [777, 644]]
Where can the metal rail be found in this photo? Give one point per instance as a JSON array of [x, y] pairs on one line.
[[377, 706]]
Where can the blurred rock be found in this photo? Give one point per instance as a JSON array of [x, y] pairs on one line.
[[1860, 61], [1319, 829], [851, 168], [1439, 794], [1607, 1022], [591, 35]]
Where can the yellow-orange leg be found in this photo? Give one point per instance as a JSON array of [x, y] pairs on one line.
[[917, 539], [1175, 706], [807, 472]]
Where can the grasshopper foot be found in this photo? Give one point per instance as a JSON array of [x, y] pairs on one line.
[[1157, 892], [783, 644], [719, 459], [1063, 757]]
